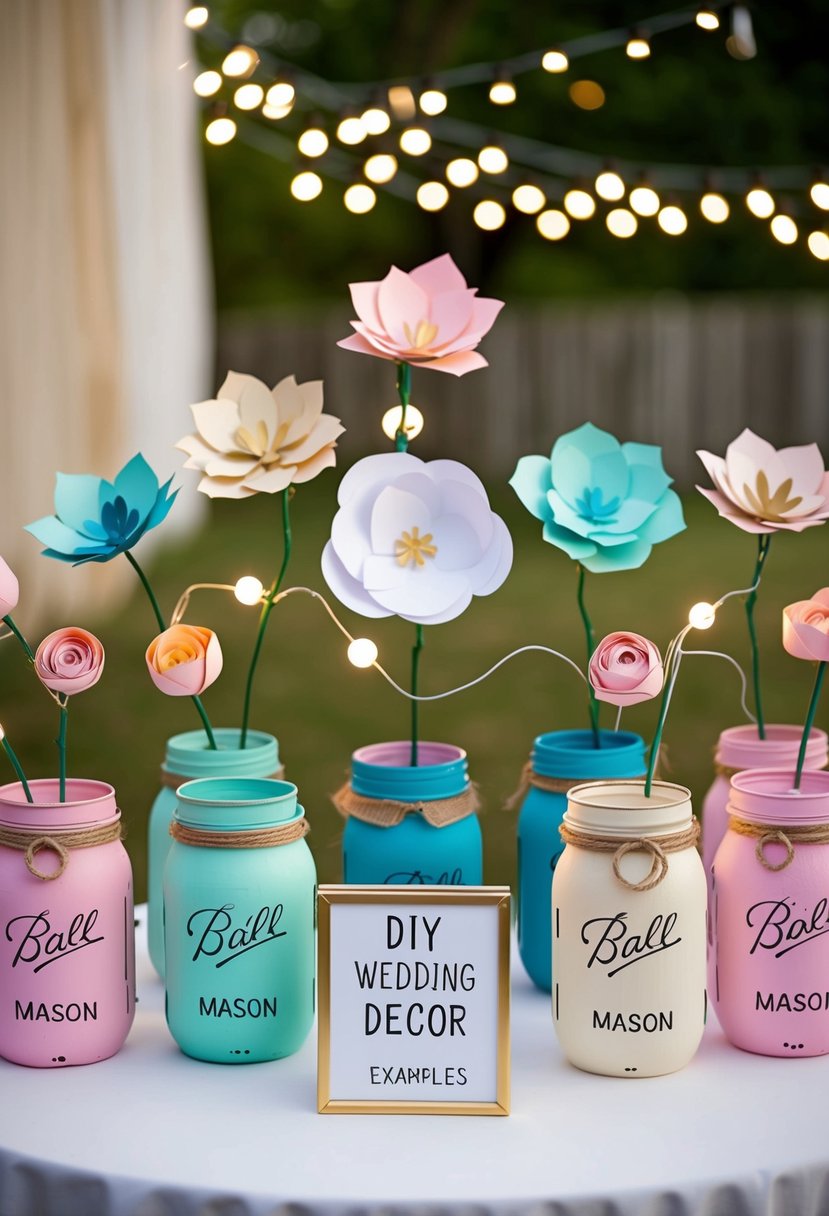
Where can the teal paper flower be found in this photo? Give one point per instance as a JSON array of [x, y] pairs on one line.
[[604, 503], [95, 520]]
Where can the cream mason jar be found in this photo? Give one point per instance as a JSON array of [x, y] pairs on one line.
[[629, 930]]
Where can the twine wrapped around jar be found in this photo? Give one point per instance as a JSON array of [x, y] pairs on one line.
[[787, 837], [30, 841], [263, 838], [658, 849], [551, 785]]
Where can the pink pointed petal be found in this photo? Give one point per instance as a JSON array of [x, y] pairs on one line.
[[804, 464], [452, 313], [813, 643], [812, 507], [439, 275], [359, 344], [484, 312], [400, 303], [750, 447], [212, 662], [714, 467], [308, 470], [383, 343], [457, 364], [728, 511], [364, 299]]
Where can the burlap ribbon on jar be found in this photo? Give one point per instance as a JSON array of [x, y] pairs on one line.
[[387, 813], [788, 837], [659, 848], [30, 841], [256, 838], [172, 781]]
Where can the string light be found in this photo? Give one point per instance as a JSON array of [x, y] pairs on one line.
[[432, 101], [402, 102], [760, 202], [553, 224], [432, 196], [306, 186], [351, 130], [818, 243], [621, 222], [644, 200], [461, 172], [241, 61], [380, 168], [784, 229], [362, 652], [707, 19], [275, 113], [741, 44], [313, 142], [414, 419], [248, 590], [672, 220], [555, 61], [638, 46], [493, 159], [502, 91], [220, 131], [610, 186], [359, 198], [579, 204], [489, 214], [714, 207], [196, 17], [528, 198], [702, 615], [587, 94], [375, 120], [819, 194], [415, 141], [281, 94], [207, 83], [248, 96]]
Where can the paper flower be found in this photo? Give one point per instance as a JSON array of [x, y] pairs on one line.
[[253, 439], [625, 668], [95, 520], [184, 660], [604, 503], [69, 660], [414, 538], [428, 317], [806, 628], [9, 589], [761, 489]]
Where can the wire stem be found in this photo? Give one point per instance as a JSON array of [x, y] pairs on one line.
[[591, 646], [287, 541], [810, 717], [416, 649], [61, 742], [15, 763], [404, 392], [763, 543], [8, 620]]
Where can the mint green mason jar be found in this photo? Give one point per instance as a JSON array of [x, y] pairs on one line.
[[239, 912], [187, 756]]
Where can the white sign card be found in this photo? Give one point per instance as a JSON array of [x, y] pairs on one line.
[[414, 1000]]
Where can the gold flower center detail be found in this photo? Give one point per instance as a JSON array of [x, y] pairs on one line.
[[256, 442], [423, 336], [414, 548], [766, 505]]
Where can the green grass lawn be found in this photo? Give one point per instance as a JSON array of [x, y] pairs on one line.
[[321, 708]]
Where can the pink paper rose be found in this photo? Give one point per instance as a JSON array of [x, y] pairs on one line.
[[806, 628], [184, 660], [69, 660], [625, 668], [428, 318], [9, 589]]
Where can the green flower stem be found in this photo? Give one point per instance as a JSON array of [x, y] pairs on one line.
[[764, 541], [667, 692], [61, 742], [404, 392], [145, 582], [810, 717], [591, 646], [416, 649], [15, 763], [8, 620], [266, 610]]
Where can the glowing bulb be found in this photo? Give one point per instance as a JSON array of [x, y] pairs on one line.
[[638, 47], [672, 220], [402, 102], [248, 96], [555, 61], [380, 168], [461, 172], [784, 229], [621, 222], [207, 83], [433, 101], [359, 198], [702, 615], [306, 186], [276, 112], [351, 131], [362, 652], [587, 94], [502, 93], [707, 19], [819, 195], [248, 590], [493, 159], [818, 243], [644, 200], [391, 421], [714, 208], [313, 142], [579, 204], [489, 214], [415, 141], [553, 225], [196, 17], [220, 131], [610, 186], [528, 199], [375, 120], [760, 203], [281, 94], [431, 196], [241, 61], [2, 734]]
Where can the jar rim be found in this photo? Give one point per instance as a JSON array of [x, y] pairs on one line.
[[671, 794], [270, 790]]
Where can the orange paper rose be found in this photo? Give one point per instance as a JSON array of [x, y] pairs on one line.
[[184, 660]]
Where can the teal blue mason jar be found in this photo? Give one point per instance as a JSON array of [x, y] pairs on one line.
[[559, 760], [411, 825], [188, 756], [239, 917]]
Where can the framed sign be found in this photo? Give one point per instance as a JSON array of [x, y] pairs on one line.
[[413, 1000]]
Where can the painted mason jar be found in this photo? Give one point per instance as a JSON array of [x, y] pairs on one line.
[[629, 910], [410, 825], [239, 892], [67, 938], [187, 756], [559, 760], [770, 914]]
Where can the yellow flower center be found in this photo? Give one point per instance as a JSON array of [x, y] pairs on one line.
[[766, 505], [256, 442], [414, 548], [423, 336]]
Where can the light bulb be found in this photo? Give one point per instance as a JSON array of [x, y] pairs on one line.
[[306, 186], [707, 19], [248, 96], [241, 61], [818, 243], [610, 186], [784, 229], [672, 220], [760, 203], [380, 168], [819, 195], [248, 590], [493, 159], [621, 222], [432, 101], [553, 224], [402, 102], [207, 83], [313, 142], [362, 652], [528, 198], [415, 141], [196, 17], [502, 93], [579, 204], [587, 94], [702, 615], [281, 94], [220, 131], [714, 207], [461, 172], [489, 214], [432, 196], [644, 200], [351, 131], [391, 421], [359, 198], [555, 61], [275, 113], [375, 120], [637, 47]]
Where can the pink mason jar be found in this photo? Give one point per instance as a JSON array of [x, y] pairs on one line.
[[770, 914], [67, 942]]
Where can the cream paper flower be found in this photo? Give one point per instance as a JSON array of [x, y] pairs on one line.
[[256, 440]]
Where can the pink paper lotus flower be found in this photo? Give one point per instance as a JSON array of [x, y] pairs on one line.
[[625, 668], [69, 660], [184, 660], [428, 317], [9, 589], [761, 489], [806, 628]]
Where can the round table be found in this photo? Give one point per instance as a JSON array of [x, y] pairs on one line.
[[153, 1133]]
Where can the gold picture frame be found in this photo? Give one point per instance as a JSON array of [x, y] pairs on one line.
[[403, 896]]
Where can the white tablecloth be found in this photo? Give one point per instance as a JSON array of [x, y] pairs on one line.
[[153, 1133]]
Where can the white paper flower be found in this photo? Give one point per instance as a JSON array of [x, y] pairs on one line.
[[414, 539], [252, 439]]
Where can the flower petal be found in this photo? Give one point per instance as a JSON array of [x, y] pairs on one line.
[[362, 346], [55, 535], [346, 588], [438, 275], [323, 432], [269, 481], [456, 365], [217, 423], [137, 484], [308, 470], [619, 557], [254, 400], [531, 482], [401, 305], [77, 499], [393, 513]]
